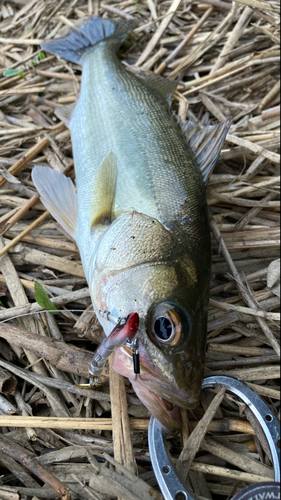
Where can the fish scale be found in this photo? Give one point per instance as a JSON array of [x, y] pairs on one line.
[[140, 214], [132, 116]]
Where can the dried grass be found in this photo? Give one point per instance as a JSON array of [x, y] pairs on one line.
[[225, 56]]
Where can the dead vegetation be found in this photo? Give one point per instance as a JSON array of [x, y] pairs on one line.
[[56, 436]]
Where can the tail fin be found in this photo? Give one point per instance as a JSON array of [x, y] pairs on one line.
[[77, 43]]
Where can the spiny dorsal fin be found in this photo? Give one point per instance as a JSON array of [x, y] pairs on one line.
[[104, 192], [58, 195], [206, 143], [164, 87]]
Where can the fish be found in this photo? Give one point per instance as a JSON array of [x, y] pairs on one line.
[[139, 216]]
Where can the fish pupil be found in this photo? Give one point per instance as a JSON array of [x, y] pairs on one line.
[[163, 328]]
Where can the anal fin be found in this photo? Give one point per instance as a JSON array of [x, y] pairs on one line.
[[206, 143], [58, 195]]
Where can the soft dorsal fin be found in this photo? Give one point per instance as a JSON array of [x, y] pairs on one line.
[[58, 195], [206, 143], [64, 113], [164, 87], [104, 192]]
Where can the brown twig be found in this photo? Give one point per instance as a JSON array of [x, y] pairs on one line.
[[184, 42], [24, 233], [20, 455], [19, 214], [63, 356], [98, 424], [123, 449], [195, 439], [233, 39], [159, 32], [26, 158], [242, 290], [229, 473], [8, 382], [235, 458], [28, 308]]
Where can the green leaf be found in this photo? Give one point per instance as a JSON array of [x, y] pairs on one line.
[[41, 55], [42, 298], [137, 5], [11, 72]]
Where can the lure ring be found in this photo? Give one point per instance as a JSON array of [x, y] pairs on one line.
[[169, 483]]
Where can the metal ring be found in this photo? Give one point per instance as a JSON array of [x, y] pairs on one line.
[[164, 471], [169, 483]]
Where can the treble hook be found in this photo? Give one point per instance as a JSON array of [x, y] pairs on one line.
[[134, 346]]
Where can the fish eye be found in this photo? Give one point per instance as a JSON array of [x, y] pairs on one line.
[[166, 324], [163, 328]]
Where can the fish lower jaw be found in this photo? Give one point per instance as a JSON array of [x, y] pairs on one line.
[[184, 404], [163, 404], [188, 406], [174, 396], [170, 414]]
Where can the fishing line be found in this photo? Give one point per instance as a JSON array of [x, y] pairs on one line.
[[133, 345], [44, 311], [93, 311], [121, 322]]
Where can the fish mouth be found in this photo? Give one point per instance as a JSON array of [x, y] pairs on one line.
[[168, 414], [162, 398], [164, 405]]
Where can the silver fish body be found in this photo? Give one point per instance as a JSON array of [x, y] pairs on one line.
[[142, 223], [157, 174]]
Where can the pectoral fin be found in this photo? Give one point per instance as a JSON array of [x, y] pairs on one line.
[[64, 113], [104, 192], [58, 195], [206, 143]]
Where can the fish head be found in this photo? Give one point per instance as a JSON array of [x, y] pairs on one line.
[[139, 268]]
